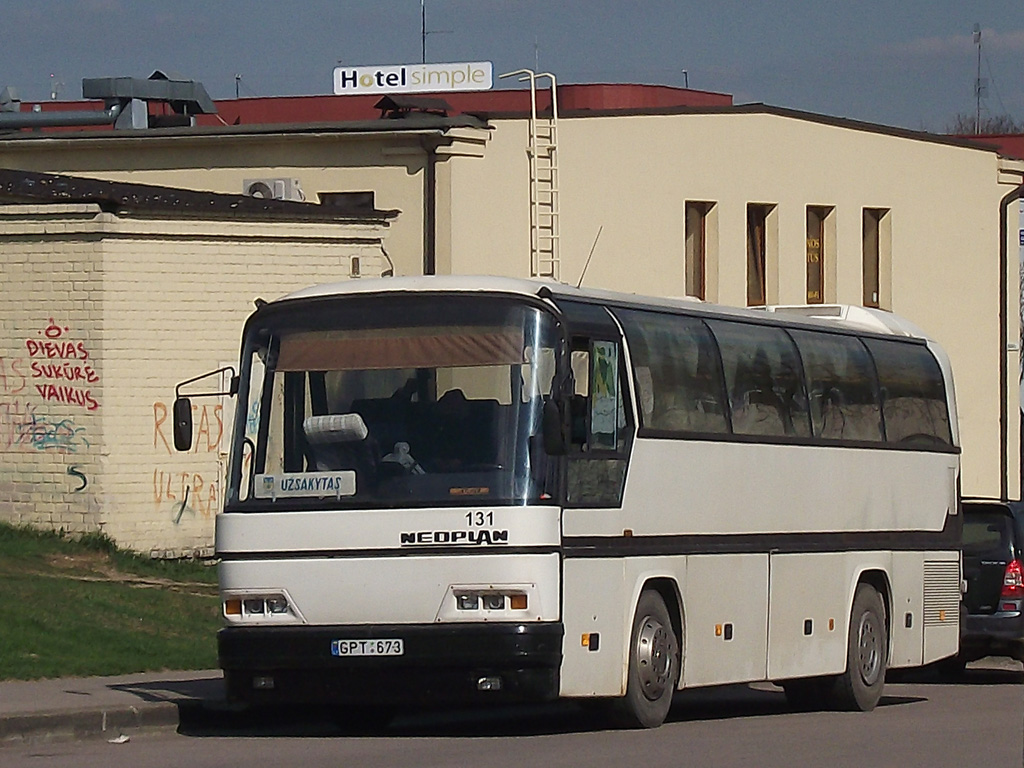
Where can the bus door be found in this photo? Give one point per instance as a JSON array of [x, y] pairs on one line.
[[597, 603]]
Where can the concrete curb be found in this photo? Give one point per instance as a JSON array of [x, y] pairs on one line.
[[103, 707], [86, 724]]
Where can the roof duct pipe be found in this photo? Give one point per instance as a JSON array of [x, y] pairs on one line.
[[11, 116], [1004, 328]]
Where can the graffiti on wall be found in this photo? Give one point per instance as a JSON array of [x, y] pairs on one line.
[[44, 433], [60, 368], [188, 492], [42, 391]]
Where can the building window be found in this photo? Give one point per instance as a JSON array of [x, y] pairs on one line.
[[700, 245], [876, 248], [818, 249], [760, 248]]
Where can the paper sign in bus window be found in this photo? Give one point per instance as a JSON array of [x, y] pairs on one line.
[[604, 395]]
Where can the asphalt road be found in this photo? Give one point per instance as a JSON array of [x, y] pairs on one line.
[[921, 721]]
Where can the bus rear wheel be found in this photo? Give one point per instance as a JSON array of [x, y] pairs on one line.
[[654, 663], [867, 653]]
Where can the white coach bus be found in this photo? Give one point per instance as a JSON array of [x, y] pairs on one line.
[[453, 489]]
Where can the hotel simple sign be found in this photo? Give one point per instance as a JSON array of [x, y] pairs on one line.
[[413, 78]]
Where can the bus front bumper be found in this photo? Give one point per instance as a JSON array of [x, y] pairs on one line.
[[439, 663]]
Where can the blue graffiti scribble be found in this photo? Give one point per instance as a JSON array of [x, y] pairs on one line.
[[43, 435]]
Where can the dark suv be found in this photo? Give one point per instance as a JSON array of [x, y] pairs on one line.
[[993, 563]]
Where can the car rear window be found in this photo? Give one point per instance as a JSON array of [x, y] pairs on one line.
[[988, 534]]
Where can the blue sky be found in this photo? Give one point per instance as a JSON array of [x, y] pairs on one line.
[[908, 63]]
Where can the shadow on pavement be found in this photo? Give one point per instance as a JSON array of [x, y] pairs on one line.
[[720, 703], [934, 675], [206, 689]]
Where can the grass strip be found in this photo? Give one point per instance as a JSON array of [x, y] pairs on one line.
[[79, 606]]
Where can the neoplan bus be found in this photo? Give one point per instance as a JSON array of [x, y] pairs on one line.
[[452, 489]]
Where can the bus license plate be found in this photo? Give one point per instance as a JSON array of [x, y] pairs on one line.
[[370, 647]]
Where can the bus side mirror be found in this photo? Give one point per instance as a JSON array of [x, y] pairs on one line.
[[182, 424], [554, 434]]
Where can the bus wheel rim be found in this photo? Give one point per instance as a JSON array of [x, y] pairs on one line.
[[869, 649], [654, 654]]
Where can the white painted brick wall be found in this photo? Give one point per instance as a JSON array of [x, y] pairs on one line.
[[152, 302]]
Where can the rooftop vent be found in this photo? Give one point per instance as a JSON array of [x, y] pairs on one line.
[[186, 99], [398, 107], [10, 101]]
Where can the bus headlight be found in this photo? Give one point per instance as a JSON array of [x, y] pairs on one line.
[[258, 607], [490, 602], [468, 601]]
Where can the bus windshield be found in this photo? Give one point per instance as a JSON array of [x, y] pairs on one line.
[[393, 401]]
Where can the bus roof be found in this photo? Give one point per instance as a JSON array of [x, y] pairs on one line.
[[835, 316]]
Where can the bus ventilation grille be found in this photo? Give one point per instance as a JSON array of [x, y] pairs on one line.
[[941, 592]]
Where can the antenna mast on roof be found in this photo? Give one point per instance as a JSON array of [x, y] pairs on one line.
[[978, 85], [424, 32]]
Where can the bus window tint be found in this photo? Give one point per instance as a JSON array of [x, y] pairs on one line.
[[763, 379], [913, 394], [841, 385], [678, 372]]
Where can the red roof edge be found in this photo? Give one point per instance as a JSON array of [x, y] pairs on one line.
[[574, 98]]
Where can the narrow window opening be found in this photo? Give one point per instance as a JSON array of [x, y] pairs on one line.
[[757, 252], [875, 253], [696, 264], [816, 252]]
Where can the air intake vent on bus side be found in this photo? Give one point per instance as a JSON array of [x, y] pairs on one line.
[[941, 592]]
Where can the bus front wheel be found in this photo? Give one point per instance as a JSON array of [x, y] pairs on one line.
[[867, 653], [654, 663]]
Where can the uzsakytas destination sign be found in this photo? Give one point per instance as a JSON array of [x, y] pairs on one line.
[[414, 78]]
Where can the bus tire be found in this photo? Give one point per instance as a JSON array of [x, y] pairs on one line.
[[654, 664], [867, 653]]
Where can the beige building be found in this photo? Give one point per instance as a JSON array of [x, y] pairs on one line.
[[739, 205]]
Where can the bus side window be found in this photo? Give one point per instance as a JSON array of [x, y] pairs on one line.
[[597, 464], [580, 362]]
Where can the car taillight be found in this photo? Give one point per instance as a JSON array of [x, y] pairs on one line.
[[1013, 581]]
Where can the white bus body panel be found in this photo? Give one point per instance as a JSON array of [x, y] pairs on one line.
[[907, 643], [816, 588], [765, 597], [395, 590], [744, 488], [314, 531], [601, 602], [316, 558], [726, 604]]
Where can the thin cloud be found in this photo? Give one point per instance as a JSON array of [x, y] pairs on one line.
[[958, 45]]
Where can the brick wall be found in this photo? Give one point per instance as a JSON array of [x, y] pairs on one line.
[[151, 302], [51, 377]]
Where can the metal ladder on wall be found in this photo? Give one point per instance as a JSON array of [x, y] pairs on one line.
[[545, 257]]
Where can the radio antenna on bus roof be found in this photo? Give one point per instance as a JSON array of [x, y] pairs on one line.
[[589, 257]]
